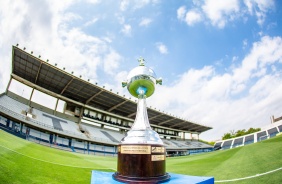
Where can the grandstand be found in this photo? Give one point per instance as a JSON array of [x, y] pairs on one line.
[[265, 133], [93, 120]]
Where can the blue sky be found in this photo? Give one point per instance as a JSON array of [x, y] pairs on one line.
[[220, 60]]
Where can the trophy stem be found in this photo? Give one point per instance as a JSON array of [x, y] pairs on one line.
[[141, 121], [141, 131]]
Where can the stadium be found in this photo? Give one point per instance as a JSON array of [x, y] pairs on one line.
[[91, 124]]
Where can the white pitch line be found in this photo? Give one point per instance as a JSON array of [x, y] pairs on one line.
[[53, 162], [248, 177]]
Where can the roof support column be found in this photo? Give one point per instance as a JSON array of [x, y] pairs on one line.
[[55, 110], [184, 135], [80, 115], [267, 134], [232, 143], [8, 86], [31, 94], [277, 129], [244, 138]]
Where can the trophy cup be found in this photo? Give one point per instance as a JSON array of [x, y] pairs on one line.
[[141, 153]]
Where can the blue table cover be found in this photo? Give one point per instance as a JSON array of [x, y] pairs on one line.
[[100, 177]]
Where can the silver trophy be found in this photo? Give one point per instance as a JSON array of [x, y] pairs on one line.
[[141, 153]]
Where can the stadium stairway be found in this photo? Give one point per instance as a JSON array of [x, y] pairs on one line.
[[109, 136]]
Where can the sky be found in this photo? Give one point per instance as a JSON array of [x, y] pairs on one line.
[[220, 60]]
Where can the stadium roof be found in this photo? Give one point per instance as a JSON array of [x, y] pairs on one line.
[[47, 76]]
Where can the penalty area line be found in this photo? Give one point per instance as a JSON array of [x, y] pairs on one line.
[[249, 177], [54, 162]]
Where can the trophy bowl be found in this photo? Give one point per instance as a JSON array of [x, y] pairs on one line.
[[141, 76]]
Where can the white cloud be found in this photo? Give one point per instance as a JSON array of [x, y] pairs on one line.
[[91, 22], [126, 30], [220, 12], [245, 43], [68, 17], [265, 52], [234, 58], [136, 4], [162, 48], [111, 62], [121, 76], [155, 2], [190, 17], [259, 8], [145, 22], [244, 97], [94, 1], [193, 17], [181, 12], [86, 52], [261, 17], [260, 33], [121, 19], [123, 5], [140, 3], [43, 27], [4, 73], [107, 39]]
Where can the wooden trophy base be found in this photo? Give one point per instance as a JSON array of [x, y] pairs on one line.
[[141, 163], [141, 180]]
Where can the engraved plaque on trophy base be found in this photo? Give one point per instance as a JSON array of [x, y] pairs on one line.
[[141, 163]]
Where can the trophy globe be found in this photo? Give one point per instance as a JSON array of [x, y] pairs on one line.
[[141, 153]]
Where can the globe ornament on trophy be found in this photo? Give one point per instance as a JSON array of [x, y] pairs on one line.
[[141, 153]]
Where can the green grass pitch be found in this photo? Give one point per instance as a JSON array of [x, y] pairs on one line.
[[24, 162]]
